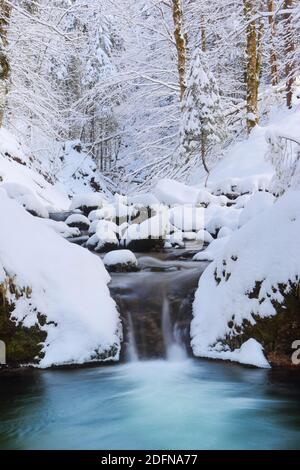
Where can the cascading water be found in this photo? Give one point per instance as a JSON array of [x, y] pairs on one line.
[[156, 307], [175, 350], [131, 353]]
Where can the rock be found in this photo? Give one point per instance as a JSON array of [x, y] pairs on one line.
[[79, 221], [145, 245], [23, 345], [121, 261], [275, 333]]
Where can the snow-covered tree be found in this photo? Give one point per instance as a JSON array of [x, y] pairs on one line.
[[203, 123]]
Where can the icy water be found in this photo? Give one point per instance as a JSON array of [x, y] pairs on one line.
[[190, 404], [171, 403]]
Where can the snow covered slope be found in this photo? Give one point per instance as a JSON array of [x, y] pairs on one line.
[[15, 170], [55, 287]]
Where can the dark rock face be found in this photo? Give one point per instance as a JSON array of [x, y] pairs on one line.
[[23, 345], [123, 268], [276, 333], [81, 225], [145, 245]]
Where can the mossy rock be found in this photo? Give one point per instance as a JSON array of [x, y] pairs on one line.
[[276, 333], [23, 345]]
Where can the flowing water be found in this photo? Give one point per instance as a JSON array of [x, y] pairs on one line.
[[167, 400]]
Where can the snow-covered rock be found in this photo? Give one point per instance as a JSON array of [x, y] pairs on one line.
[[251, 289], [87, 202], [171, 193], [57, 288], [257, 203], [61, 228], [26, 198], [78, 220], [204, 236], [121, 261], [150, 233], [212, 250], [105, 237], [224, 232]]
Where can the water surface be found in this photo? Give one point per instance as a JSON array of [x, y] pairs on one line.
[[190, 404]]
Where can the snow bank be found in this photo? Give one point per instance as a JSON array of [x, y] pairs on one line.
[[69, 287], [88, 200], [14, 169], [263, 255], [258, 203], [171, 193]]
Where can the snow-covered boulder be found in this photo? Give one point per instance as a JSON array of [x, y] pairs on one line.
[[257, 203], [204, 236], [216, 217], [121, 261], [87, 202], [150, 234], [105, 237], [171, 192], [212, 250], [55, 306], [78, 220], [61, 228], [251, 290], [26, 198]]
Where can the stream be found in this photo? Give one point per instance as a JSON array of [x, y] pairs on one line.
[[158, 396]]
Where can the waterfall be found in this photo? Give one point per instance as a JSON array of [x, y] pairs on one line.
[[175, 350], [132, 354]]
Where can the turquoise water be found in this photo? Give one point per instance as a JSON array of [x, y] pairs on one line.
[[151, 405]]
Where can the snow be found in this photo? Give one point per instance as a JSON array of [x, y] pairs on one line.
[[224, 232], [120, 257], [172, 193], [212, 250], [216, 217], [69, 286], [154, 227], [257, 203], [265, 250], [244, 167], [250, 353], [204, 236], [89, 200], [187, 218], [14, 169], [77, 219], [26, 198], [61, 228]]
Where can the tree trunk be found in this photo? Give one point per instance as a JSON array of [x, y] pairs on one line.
[[289, 48], [180, 44], [5, 11], [252, 79], [203, 34], [273, 56]]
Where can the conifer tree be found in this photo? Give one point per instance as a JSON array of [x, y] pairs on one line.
[[202, 124]]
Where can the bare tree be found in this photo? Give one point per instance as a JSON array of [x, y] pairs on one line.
[[273, 55], [289, 48], [180, 44], [252, 79]]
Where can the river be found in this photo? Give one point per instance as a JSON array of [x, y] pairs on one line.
[[159, 397]]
